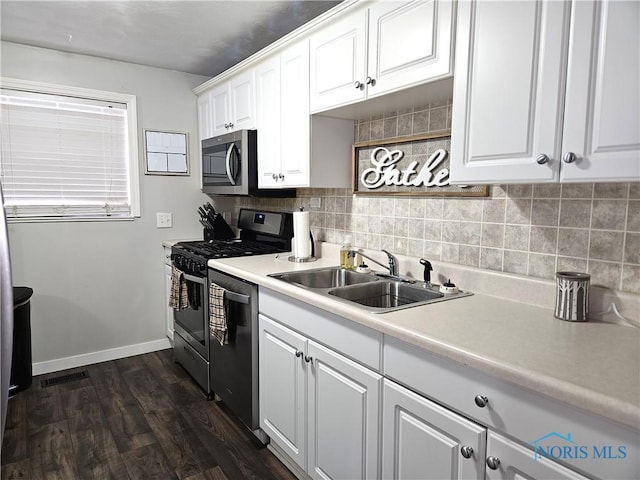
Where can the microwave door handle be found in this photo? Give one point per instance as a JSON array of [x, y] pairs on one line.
[[237, 297], [228, 164]]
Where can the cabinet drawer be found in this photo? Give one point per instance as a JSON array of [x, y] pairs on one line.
[[516, 411], [193, 363], [353, 340]]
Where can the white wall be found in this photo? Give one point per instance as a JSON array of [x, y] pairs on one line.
[[99, 285]]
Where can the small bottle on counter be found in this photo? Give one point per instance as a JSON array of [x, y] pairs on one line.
[[346, 260]]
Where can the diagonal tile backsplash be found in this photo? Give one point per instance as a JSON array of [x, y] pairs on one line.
[[532, 230]]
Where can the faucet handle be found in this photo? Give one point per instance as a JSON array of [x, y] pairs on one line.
[[427, 270], [393, 263]]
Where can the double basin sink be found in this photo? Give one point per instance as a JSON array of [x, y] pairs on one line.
[[374, 292]]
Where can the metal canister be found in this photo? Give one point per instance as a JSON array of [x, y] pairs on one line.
[[572, 296]]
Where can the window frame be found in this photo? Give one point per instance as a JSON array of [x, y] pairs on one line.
[[132, 132]]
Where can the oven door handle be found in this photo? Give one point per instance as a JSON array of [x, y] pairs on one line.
[[191, 278], [237, 297]]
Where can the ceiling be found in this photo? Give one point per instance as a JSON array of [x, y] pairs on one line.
[[202, 37]]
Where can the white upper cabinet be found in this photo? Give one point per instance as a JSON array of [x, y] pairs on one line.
[[205, 127], [602, 105], [268, 121], [409, 43], [546, 91], [233, 104], [294, 148]]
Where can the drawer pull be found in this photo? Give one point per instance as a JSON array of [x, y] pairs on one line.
[[493, 463], [481, 401], [466, 451]]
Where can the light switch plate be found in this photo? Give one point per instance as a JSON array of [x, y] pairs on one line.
[[164, 220]]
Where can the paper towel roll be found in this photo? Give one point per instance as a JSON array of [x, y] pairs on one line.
[[301, 235]]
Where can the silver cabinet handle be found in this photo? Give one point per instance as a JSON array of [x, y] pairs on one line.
[[298, 353], [569, 157], [481, 401], [466, 451], [230, 125], [308, 359], [542, 159], [359, 85], [226, 125], [370, 81], [281, 176], [493, 463], [275, 177]]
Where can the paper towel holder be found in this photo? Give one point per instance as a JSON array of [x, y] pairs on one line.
[[310, 258]]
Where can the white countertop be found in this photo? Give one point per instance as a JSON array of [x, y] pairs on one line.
[[593, 365]]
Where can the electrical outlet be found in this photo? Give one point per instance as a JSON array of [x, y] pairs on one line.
[[315, 203], [164, 220]]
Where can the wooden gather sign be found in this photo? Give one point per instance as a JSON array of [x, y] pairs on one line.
[[417, 165]]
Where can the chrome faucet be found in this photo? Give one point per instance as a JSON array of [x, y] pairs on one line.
[[392, 266]]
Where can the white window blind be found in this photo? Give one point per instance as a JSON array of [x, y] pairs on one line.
[[64, 156]]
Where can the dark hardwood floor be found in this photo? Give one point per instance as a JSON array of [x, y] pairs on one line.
[[138, 417]]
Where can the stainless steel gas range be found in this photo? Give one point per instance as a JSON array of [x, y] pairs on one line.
[[230, 371]]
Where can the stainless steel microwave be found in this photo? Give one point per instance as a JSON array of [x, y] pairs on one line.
[[230, 166]]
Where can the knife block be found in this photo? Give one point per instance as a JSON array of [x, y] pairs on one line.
[[220, 231]]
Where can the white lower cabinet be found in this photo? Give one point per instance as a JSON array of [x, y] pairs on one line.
[[167, 293], [422, 440], [319, 407], [507, 460]]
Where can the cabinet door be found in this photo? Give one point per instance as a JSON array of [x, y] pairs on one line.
[[338, 60], [517, 462], [243, 101], [295, 122], [268, 121], [409, 43], [205, 128], [602, 108], [168, 309], [508, 91], [343, 416], [282, 388], [220, 115], [424, 440]]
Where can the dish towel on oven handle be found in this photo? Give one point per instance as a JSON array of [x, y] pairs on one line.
[[218, 314], [178, 297]]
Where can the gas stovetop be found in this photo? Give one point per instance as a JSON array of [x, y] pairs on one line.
[[262, 232], [230, 248]]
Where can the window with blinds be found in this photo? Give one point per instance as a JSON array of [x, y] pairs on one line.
[[66, 157]]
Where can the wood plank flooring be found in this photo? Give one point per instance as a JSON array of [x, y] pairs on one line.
[[135, 418]]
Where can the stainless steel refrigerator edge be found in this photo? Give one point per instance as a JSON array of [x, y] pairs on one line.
[[6, 306]]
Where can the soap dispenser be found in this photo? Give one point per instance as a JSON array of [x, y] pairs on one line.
[[346, 260]]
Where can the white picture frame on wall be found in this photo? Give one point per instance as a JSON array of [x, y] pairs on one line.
[[166, 153]]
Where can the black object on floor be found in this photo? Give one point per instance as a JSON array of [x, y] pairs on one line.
[[21, 368], [71, 377]]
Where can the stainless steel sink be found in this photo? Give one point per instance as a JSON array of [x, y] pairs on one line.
[[367, 290], [331, 277], [387, 294]]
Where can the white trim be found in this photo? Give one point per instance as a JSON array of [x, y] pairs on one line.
[[101, 356], [277, 45], [132, 120]]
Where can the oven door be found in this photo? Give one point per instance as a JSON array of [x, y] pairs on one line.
[[192, 323]]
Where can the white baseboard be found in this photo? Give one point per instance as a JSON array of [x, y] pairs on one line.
[[97, 357]]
